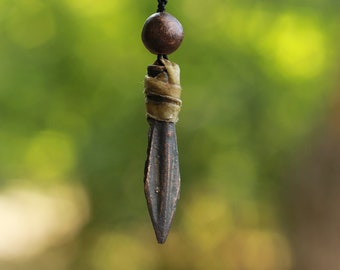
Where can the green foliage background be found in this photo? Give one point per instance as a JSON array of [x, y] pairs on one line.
[[257, 78]]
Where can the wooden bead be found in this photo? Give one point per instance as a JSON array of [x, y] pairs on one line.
[[162, 33]]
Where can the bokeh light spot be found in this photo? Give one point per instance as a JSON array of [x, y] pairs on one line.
[[110, 251], [208, 220], [271, 247], [91, 7], [30, 24], [50, 155], [297, 47], [33, 219]]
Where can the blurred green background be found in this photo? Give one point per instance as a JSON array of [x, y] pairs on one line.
[[260, 88]]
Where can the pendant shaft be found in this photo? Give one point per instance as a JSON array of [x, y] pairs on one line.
[[162, 175]]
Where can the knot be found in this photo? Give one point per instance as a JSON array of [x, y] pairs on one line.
[[163, 92]]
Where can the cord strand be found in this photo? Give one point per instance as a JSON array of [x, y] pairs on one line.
[[161, 5], [161, 8]]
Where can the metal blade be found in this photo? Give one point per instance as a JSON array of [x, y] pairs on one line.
[[162, 176]]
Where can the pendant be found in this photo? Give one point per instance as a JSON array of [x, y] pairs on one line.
[[162, 34]]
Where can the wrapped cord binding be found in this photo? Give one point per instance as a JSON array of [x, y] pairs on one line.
[[163, 92]]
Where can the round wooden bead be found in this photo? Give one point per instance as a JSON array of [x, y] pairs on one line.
[[162, 33]]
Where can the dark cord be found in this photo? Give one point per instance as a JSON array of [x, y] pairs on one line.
[[160, 57], [161, 5], [161, 8]]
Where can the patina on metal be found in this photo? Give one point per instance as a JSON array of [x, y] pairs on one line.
[[162, 176]]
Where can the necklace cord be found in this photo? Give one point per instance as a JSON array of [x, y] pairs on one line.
[[161, 5], [161, 8]]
